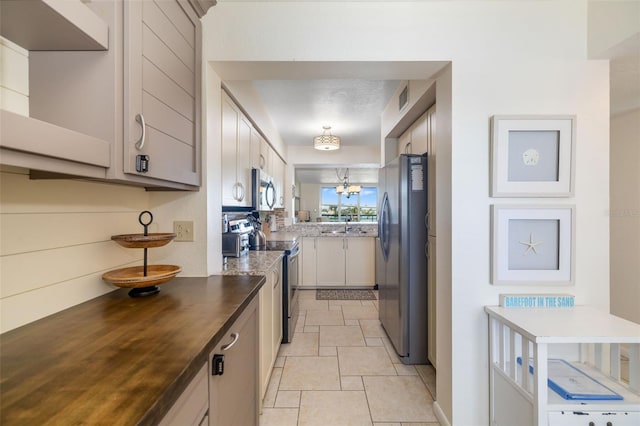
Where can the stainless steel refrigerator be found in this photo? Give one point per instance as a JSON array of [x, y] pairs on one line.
[[401, 268]]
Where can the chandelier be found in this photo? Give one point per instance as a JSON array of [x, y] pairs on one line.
[[346, 188], [326, 141]]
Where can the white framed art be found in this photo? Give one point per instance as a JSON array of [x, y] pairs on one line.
[[532, 244], [532, 156]]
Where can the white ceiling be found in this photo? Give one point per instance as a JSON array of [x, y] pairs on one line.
[[302, 97], [300, 108]]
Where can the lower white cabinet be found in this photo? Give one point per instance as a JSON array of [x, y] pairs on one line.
[[360, 257], [270, 297], [330, 261], [276, 310], [191, 408], [307, 266], [233, 373], [346, 261]]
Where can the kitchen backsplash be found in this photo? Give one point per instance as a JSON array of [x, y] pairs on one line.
[[315, 228]]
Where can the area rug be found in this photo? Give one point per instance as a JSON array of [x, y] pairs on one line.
[[344, 294]]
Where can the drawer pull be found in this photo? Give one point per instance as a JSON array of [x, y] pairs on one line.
[[228, 346]]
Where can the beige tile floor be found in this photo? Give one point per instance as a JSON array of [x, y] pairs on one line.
[[340, 369]]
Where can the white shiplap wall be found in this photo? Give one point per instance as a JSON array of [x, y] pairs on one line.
[[55, 242]]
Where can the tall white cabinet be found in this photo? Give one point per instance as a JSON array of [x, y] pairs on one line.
[[420, 138]]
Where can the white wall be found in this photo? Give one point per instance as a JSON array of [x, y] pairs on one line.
[[55, 242], [625, 215], [310, 199], [499, 66]]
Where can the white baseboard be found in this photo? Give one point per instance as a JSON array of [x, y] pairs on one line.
[[444, 421]]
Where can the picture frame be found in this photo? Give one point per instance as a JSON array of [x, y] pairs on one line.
[[532, 244], [532, 155]]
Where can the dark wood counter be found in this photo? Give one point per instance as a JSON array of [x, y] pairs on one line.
[[115, 359]]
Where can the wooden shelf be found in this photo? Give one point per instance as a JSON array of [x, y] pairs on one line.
[[26, 134], [53, 25]]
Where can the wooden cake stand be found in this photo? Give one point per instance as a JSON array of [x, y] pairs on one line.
[[142, 280]]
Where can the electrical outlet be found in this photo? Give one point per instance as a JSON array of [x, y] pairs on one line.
[[183, 230]]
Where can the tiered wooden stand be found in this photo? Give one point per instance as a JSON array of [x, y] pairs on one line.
[[142, 280]]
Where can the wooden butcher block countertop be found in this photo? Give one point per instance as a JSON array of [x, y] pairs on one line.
[[116, 359]]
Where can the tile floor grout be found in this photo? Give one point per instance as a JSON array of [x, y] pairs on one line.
[[336, 376]]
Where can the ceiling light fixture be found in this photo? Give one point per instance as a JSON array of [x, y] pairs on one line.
[[326, 141]]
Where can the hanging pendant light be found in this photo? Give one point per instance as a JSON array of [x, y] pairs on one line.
[[345, 187], [326, 141]]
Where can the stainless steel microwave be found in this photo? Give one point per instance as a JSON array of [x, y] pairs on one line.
[[264, 192]]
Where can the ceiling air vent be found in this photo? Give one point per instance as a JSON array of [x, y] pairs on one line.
[[403, 99]]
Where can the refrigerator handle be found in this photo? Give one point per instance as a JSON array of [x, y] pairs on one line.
[[426, 221], [384, 226]]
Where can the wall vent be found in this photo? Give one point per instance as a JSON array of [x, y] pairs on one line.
[[403, 99]]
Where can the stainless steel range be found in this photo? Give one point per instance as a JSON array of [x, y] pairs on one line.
[[290, 309]]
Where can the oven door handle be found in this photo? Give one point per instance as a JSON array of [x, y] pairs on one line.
[[290, 257]]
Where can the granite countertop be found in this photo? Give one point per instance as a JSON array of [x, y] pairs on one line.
[[325, 229], [253, 263], [116, 359]]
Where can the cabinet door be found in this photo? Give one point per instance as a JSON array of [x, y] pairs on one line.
[[162, 90], [404, 142], [192, 406], [308, 264], [431, 170], [330, 261], [360, 261], [419, 135], [255, 149], [431, 300], [265, 155], [266, 332], [279, 179], [233, 396], [277, 313], [243, 162], [230, 120]]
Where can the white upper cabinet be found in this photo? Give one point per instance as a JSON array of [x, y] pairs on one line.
[[87, 108], [162, 92], [236, 158]]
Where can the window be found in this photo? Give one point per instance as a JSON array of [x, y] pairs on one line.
[[359, 207]]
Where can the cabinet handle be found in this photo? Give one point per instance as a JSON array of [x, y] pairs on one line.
[[407, 148], [238, 186], [281, 201], [228, 346], [140, 143], [241, 186], [276, 278], [262, 162]]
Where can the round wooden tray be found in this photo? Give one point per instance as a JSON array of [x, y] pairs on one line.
[[143, 241], [133, 277]]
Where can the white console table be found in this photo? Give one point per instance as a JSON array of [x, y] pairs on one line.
[[595, 342]]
